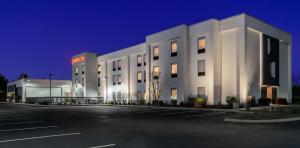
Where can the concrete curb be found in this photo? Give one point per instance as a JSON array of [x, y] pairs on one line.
[[262, 121]]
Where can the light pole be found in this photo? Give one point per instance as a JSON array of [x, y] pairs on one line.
[[50, 78]]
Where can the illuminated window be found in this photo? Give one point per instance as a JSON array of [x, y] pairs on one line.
[[119, 64], [139, 60], [155, 53], [119, 79], [114, 80], [155, 72], [82, 81], [99, 69], [99, 82], [139, 77], [273, 69], [200, 91], [174, 70], [114, 65], [201, 45], [145, 59], [174, 48], [76, 71], [201, 67], [174, 93], [83, 69]]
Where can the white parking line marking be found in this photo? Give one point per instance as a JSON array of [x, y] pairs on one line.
[[13, 119], [182, 112], [29, 128], [205, 114], [40, 137], [15, 123], [108, 145], [152, 111]]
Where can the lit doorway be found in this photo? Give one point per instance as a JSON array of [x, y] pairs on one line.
[[269, 92]]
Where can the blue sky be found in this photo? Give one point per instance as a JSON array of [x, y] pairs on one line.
[[39, 37]]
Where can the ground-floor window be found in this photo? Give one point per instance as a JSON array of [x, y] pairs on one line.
[[174, 92], [200, 91]]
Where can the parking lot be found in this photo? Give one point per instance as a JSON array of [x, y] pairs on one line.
[[114, 126]]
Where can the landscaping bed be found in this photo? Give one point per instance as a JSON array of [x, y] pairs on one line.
[[279, 112]]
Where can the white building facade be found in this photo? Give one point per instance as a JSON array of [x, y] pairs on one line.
[[237, 56]]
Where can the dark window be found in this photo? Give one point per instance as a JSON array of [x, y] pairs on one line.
[[119, 64], [145, 59], [139, 60], [114, 65], [201, 67]]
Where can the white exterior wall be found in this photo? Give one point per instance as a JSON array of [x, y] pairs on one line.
[[163, 41], [232, 62]]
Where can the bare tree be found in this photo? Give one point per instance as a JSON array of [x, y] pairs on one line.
[[155, 86]]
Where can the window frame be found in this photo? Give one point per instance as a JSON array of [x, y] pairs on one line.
[[119, 79], [114, 79], [119, 64], [155, 57], [201, 73], [201, 50], [174, 54], [173, 98], [174, 75], [139, 64], [154, 73], [114, 65], [137, 77], [99, 69]]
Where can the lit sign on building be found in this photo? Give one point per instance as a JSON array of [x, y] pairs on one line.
[[78, 59]]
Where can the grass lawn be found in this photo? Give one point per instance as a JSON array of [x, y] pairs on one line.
[[264, 114]]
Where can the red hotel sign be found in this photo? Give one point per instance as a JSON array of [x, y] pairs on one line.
[[78, 59]]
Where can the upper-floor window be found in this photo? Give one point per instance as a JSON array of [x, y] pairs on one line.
[[155, 53], [200, 91], [174, 92], [119, 63], [119, 79], [114, 65], [269, 45], [201, 67], [99, 82], [155, 72], [76, 71], [83, 69], [201, 45], [114, 79], [99, 69], [145, 59], [174, 47], [144, 75], [174, 70], [139, 60], [139, 77]]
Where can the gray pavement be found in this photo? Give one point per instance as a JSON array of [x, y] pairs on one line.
[[134, 127]]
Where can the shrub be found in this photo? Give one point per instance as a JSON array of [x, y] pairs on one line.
[[161, 103], [264, 101], [232, 99], [251, 101], [181, 104], [280, 101], [296, 100], [197, 101], [174, 102], [154, 102]]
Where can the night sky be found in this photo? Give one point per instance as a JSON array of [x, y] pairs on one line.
[[40, 37]]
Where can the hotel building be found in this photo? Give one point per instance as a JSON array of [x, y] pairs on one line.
[[236, 56]]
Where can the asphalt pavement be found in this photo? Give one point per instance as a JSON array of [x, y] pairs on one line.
[[24, 126]]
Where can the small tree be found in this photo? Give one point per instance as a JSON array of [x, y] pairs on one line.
[[155, 86], [3, 87]]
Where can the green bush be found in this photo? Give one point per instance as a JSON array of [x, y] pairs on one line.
[[197, 101], [232, 99]]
